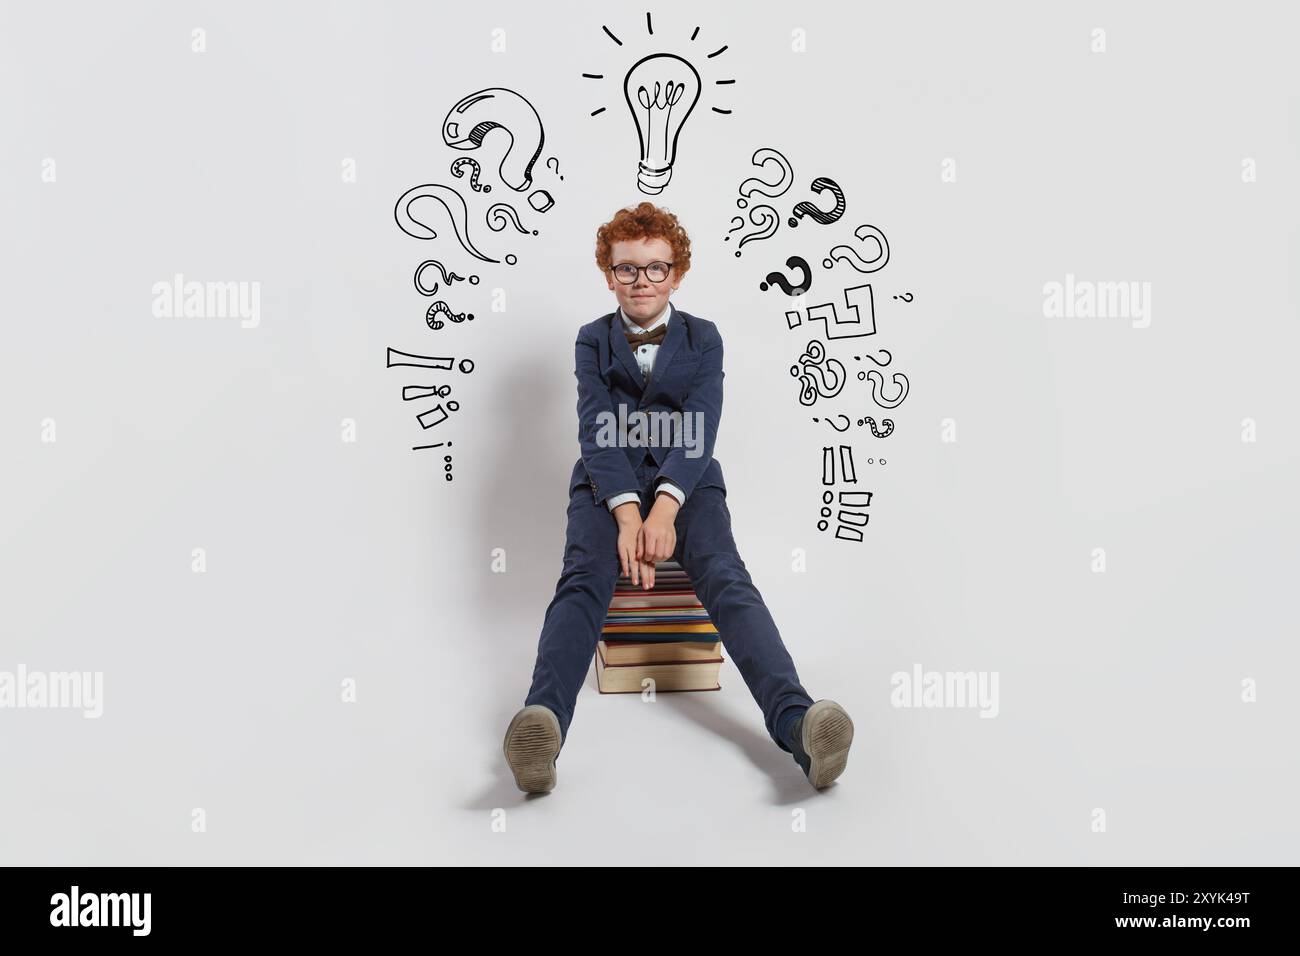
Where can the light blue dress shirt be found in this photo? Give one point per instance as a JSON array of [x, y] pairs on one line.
[[645, 357]]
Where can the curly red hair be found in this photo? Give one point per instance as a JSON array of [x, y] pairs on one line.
[[645, 221]]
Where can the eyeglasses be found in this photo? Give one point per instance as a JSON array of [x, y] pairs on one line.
[[627, 273]]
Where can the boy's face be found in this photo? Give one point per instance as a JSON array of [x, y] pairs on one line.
[[642, 300]]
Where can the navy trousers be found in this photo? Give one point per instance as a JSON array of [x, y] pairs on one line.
[[706, 550]]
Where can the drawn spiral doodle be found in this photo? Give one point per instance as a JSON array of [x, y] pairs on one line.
[[871, 422], [878, 384], [457, 170], [819, 376], [440, 308]]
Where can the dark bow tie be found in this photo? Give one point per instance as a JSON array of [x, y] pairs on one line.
[[646, 338]]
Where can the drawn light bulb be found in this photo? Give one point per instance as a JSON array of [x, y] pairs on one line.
[[661, 90]]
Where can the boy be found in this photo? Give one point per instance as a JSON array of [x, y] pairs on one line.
[[631, 506]]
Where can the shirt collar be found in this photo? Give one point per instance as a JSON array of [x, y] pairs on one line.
[[659, 320]]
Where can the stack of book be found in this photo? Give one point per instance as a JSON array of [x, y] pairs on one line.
[[663, 634]]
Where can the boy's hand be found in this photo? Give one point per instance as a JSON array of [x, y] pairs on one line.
[[658, 537], [628, 516], [647, 575]]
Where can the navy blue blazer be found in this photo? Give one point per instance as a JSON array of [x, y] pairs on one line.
[[686, 377]]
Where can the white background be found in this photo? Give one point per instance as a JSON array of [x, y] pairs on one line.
[[330, 560]]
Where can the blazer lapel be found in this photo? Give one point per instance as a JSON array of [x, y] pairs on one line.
[[618, 343], [668, 348]]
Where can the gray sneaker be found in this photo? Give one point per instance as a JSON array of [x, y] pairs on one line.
[[821, 741], [532, 743]]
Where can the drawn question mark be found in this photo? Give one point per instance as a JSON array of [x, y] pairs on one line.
[[469, 122], [767, 227], [777, 279], [849, 254], [828, 421], [888, 358], [825, 388], [457, 170], [887, 422], [440, 307], [503, 214], [761, 158], [556, 168], [447, 277], [451, 202], [906, 297], [814, 212], [814, 386], [878, 384]]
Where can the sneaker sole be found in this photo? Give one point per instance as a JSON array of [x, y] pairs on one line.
[[532, 743], [827, 734]]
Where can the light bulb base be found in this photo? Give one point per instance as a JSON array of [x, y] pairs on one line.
[[652, 180]]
